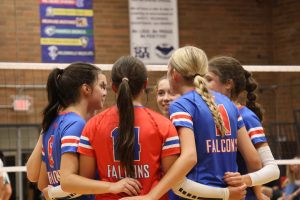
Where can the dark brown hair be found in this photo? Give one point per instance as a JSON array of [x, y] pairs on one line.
[[129, 75], [63, 88], [228, 68]]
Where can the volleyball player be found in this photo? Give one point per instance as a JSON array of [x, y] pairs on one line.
[[74, 93], [164, 95], [226, 75], [126, 140], [208, 143]]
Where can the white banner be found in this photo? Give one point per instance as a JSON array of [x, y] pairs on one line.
[[153, 30]]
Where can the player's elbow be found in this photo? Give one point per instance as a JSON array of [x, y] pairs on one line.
[[65, 184], [254, 163], [276, 171], [190, 159], [32, 176], [41, 186]]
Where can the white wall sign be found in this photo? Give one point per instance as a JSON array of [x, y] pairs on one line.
[[153, 30]]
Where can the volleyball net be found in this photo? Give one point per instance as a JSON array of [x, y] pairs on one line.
[[23, 97]]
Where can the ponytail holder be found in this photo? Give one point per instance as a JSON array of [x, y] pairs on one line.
[[61, 71], [125, 79]]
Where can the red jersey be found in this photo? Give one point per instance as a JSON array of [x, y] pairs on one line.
[[155, 138]]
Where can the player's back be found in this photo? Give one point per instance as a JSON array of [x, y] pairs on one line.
[[216, 154], [62, 136], [155, 137]]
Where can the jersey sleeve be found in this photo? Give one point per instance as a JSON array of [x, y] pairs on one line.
[[71, 135], [240, 122], [171, 145], [85, 146], [255, 130], [180, 116], [43, 154]]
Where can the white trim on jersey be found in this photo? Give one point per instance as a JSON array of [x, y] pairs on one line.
[[181, 117], [180, 113], [70, 137], [182, 120], [170, 146], [240, 118], [172, 138], [257, 136], [84, 138], [69, 145], [85, 146], [255, 129]]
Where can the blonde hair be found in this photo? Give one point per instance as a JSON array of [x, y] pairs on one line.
[[292, 176], [191, 62]]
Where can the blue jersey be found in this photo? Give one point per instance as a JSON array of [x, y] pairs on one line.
[[216, 154], [62, 136], [256, 134]]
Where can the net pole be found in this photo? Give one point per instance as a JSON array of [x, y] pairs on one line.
[[19, 162]]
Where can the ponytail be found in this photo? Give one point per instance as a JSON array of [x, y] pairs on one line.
[[51, 110], [201, 88], [125, 139], [128, 75], [251, 86]]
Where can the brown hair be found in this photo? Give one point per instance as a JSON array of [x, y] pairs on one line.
[[228, 68], [129, 75], [63, 88]]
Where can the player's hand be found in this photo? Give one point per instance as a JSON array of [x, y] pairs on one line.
[[237, 193], [233, 179], [129, 186]]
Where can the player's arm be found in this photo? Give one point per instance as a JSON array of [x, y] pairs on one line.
[[178, 170], [1, 178], [34, 162], [1, 182], [43, 181], [268, 172], [191, 189], [74, 183], [250, 155]]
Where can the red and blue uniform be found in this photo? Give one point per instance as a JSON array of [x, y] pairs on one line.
[[256, 134], [216, 154], [155, 138], [62, 137]]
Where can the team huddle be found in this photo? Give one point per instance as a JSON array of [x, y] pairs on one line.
[[203, 145]]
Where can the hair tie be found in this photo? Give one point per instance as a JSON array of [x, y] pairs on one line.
[[125, 79], [198, 75], [60, 73]]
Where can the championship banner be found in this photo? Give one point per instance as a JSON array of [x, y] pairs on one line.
[[153, 30], [67, 31]]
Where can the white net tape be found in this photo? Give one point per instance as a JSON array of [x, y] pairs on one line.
[[23, 168], [108, 67]]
